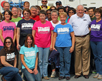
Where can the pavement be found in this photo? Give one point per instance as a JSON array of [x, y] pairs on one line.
[[72, 79]]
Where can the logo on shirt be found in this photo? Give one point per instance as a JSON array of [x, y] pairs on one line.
[[30, 55], [8, 28], [27, 26], [95, 27], [63, 30], [10, 56], [44, 30]]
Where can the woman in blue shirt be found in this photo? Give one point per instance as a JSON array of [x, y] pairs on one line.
[[64, 41], [29, 59]]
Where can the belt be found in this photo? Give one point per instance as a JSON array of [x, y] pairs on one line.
[[82, 35]]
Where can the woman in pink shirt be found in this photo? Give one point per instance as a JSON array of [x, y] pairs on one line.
[[43, 34], [7, 28]]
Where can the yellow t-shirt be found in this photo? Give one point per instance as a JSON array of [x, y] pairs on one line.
[[48, 7]]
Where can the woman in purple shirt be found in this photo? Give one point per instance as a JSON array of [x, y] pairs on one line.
[[96, 42]]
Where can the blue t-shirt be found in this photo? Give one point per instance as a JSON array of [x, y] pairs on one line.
[[63, 38], [29, 56]]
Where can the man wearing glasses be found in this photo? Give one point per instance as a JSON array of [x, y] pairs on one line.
[[44, 4], [58, 4]]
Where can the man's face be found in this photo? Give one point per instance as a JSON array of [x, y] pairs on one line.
[[44, 2], [91, 12], [33, 12], [80, 11], [14, 12], [26, 6], [6, 6]]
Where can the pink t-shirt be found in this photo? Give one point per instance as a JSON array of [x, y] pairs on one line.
[[43, 34], [7, 30]]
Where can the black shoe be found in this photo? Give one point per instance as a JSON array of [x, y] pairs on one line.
[[67, 78], [60, 78], [86, 76], [77, 76]]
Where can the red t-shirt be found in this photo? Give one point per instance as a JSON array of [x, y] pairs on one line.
[[36, 18]]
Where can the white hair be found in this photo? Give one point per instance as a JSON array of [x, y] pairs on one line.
[[81, 6]]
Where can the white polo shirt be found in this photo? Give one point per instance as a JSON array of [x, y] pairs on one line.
[[80, 24]]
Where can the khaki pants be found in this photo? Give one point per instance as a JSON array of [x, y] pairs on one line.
[[82, 55]]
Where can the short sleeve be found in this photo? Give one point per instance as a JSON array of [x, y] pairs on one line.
[[36, 48], [55, 30], [34, 26], [1, 25], [21, 50], [19, 24], [52, 28], [71, 29], [14, 26], [2, 52]]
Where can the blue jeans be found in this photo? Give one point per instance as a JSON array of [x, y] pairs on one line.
[[10, 74], [43, 60], [1, 47], [31, 77], [65, 61], [97, 52]]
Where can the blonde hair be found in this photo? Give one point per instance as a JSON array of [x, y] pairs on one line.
[[64, 14]]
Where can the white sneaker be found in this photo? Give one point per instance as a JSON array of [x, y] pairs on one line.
[[53, 74], [99, 77], [96, 76]]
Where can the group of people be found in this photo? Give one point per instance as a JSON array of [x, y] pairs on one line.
[[26, 39]]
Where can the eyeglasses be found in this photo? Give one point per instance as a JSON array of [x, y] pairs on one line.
[[48, 13], [44, 1], [8, 42], [71, 12], [26, 13], [85, 11], [57, 4]]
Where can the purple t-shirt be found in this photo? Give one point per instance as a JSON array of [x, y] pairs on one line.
[[96, 31]]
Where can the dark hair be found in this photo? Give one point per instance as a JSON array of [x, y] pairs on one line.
[[42, 12], [91, 8], [86, 8], [61, 7], [9, 12], [27, 10], [12, 46], [48, 10], [99, 11], [26, 44], [72, 10]]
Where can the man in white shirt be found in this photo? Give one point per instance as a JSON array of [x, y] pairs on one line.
[[80, 23]]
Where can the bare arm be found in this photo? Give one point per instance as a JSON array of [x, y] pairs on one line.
[[4, 62], [18, 37], [15, 61], [23, 62], [33, 33], [1, 37], [54, 40], [14, 36], [51, 46], [73, 42]]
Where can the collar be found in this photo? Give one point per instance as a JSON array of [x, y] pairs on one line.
[[80, 17], [43, 6]]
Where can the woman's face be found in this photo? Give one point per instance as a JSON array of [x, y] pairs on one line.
[[62, 18], [54, 16], [71, 13], [8, 43], [49, 14], [42, 17], [97, 15], [7, 16], [29, 41], [26, 15]]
